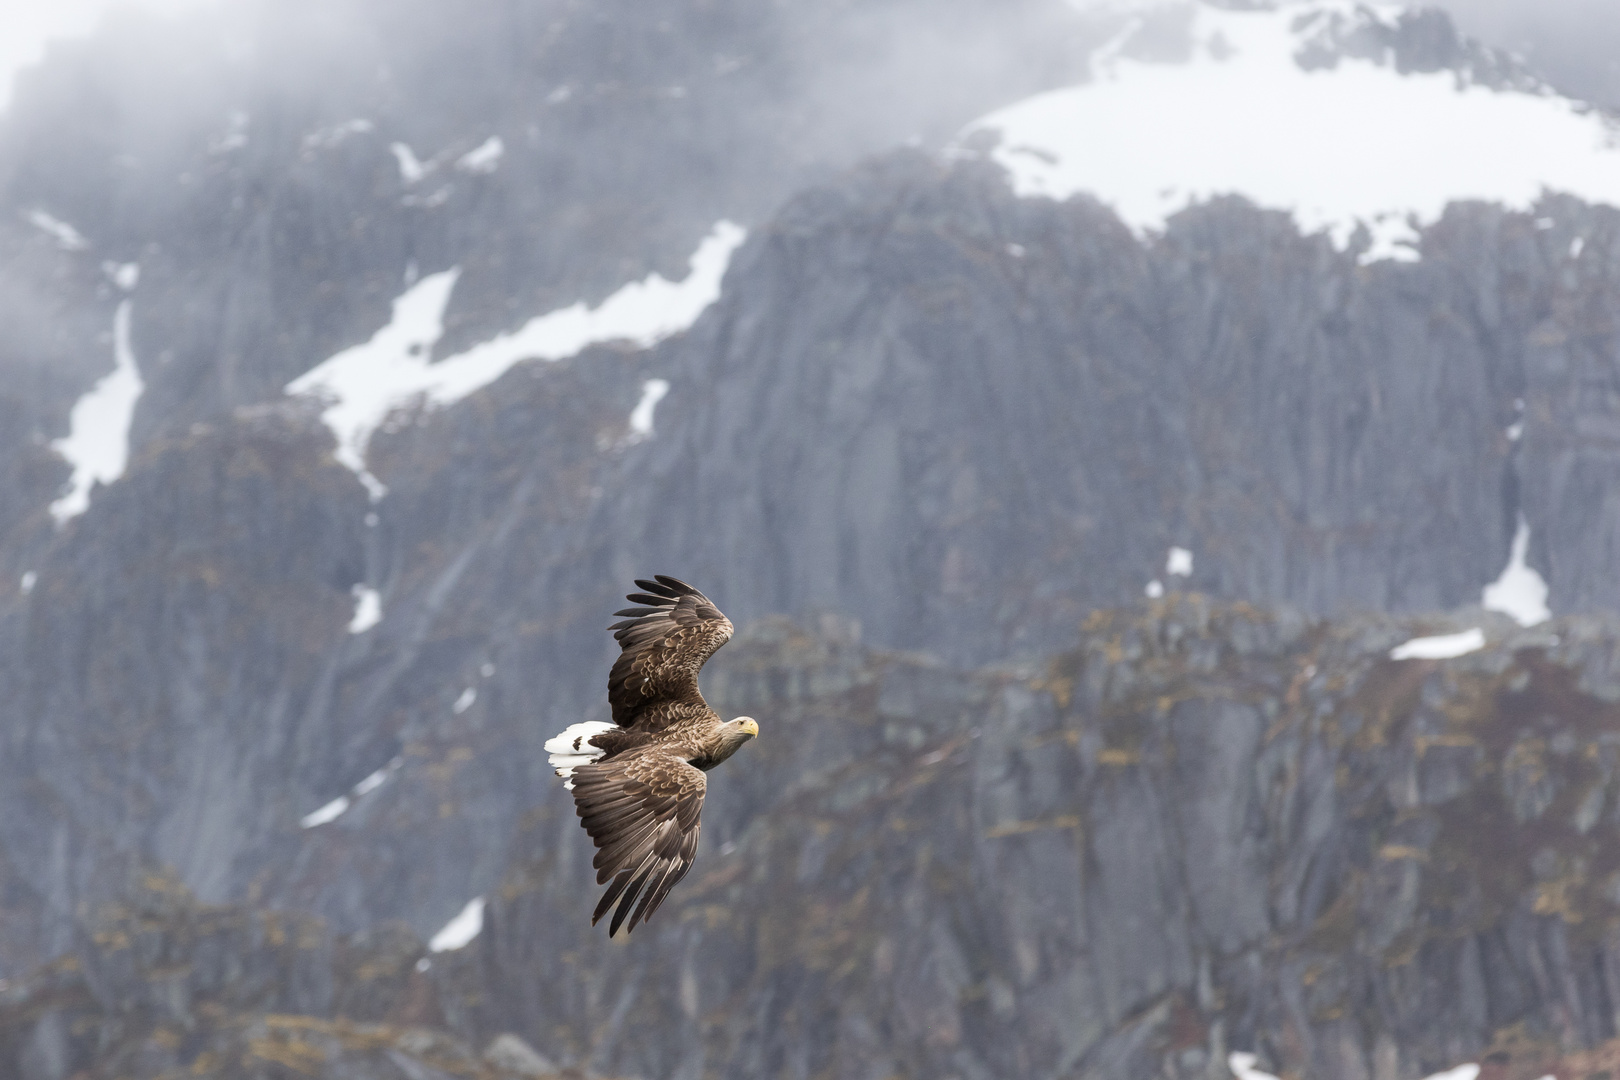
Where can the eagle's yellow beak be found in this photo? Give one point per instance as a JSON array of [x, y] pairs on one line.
[[750, 727]]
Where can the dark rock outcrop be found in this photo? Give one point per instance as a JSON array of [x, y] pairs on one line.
[[160, 986]]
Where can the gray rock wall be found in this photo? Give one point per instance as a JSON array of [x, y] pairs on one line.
[[1207, 829], [891, 415]]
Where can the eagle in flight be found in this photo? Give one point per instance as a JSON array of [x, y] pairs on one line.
[[638, 782]]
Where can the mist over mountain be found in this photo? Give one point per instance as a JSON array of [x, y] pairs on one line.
[[1141, 448], [1572, 43]]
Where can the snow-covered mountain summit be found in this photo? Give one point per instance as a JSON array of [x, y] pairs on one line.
[[1347, 114]]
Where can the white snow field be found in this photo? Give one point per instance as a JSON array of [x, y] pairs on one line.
[[97, 442], [1355, 143], [364, 383]]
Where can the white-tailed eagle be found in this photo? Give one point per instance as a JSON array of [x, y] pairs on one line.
[[638, 782]]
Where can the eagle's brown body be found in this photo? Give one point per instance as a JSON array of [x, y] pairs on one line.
[[639, 782]]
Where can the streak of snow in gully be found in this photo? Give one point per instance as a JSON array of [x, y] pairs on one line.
[[363, 384]]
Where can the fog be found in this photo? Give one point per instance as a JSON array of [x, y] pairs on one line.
[[952, 49], [1576, 43]]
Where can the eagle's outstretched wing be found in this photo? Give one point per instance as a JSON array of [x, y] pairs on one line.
[[664, 643], [641, 810]]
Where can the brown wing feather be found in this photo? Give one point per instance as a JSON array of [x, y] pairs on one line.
[[641, 810], [663, 643]]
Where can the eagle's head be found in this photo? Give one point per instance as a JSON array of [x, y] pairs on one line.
[[728, 739]]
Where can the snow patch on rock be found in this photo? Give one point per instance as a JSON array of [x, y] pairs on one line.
[[1242, 1066], [124, 275], [336, 134], [340, 805], [461, 929], [641, 417], [1440, 646], [67, 237], [1461, 1072], [411, 168], [1519, 592], [328, 813], [364, 383], [484, 158], [367, 609], [375, 780], [97, 442]]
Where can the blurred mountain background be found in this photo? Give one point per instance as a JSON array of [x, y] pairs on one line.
[[1140, 444]]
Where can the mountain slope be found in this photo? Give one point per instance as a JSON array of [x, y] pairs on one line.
[[909, 406], [921, 405]]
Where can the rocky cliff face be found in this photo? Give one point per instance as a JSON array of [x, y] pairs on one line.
[[161, 985], [1005, 819], [1205, 829], [983, 416]]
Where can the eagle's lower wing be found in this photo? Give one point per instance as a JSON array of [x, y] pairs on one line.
[[641, 810], [664, 643]]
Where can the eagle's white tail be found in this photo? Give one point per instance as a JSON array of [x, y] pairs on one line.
[[571, 749]]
